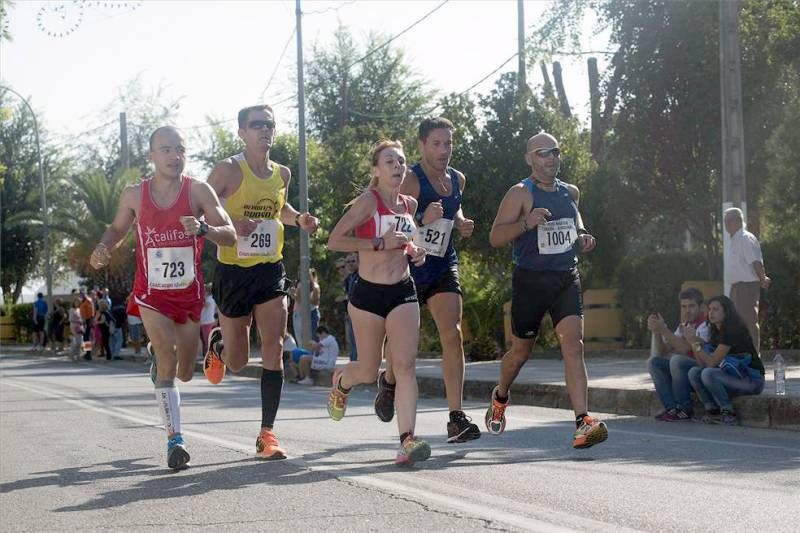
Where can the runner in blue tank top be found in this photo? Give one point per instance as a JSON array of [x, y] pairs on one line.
[[438, 189], [540, 215]]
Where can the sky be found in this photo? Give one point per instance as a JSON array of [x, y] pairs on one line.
[[73, 58]]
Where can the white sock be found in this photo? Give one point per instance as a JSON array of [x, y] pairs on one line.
[[169, 406]]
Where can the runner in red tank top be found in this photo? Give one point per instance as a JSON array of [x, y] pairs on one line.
[[383, 304], [168, 287], [169, 277]]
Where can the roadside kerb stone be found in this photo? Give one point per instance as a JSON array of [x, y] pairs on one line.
[[764, 411]]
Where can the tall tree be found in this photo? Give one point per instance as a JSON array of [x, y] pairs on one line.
[[21, 215], [373, 91], [89, 208], [663, 157]]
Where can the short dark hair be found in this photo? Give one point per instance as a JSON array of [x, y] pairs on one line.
[[323, 329], [39, 295], [245, 112], [159, 129], [433, 123], [691, 293]]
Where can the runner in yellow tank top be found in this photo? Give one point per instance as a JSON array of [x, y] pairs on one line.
[[249, 280], [260, 200]]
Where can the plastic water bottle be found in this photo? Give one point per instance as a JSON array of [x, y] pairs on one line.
[[779, 369]]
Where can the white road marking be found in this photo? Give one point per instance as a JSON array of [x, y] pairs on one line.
[[423, 490]]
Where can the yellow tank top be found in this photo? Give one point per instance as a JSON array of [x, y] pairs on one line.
[[261, 200]]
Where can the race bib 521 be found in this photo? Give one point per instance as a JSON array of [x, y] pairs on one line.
[[435, 237]]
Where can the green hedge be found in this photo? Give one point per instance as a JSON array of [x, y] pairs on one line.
[[780, 304], [652, 283], [23, 316]]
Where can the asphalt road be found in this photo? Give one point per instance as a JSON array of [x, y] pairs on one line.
[[81, 448]]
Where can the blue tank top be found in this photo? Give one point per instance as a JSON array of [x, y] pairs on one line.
[[525, 250], [433, 267]]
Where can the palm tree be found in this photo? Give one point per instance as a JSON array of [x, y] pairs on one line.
[[88, 208]]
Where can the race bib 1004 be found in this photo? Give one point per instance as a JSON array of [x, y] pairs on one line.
[[263, 241], [170, 268], [435, 237], [556, 236]]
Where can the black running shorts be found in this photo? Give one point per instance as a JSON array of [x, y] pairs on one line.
[[448, 281], [237, 290], [381, 299], [534, 293]]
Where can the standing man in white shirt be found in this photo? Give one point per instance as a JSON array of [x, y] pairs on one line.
[[744, 271]]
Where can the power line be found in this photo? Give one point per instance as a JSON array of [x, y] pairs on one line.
[[388, 42], [280, 60], [471, 87], [483, 79], [429, 110], [569, 53], [321, 11], [382, 45]]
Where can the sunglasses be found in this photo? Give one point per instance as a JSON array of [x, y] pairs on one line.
[[544, 152], [261, 124]]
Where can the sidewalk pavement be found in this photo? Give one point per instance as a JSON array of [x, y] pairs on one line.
[[617, 384]]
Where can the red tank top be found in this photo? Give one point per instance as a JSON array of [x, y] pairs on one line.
[[384, 219], [167, 259]]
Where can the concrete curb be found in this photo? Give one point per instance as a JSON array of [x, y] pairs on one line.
[[754, 411]]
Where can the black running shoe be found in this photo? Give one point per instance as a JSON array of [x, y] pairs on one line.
[[384, 401], [461, 429]]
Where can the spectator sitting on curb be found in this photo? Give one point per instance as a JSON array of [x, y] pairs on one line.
[[672, 356], [322, 357], [291, 355], [730, 362]]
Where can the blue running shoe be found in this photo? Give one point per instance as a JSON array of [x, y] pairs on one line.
[[177, 456], [153, 364]]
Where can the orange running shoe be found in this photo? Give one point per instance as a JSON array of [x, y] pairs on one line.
[[213, 365], [267, 446], [591, 431], [337, 400], [495, 414]]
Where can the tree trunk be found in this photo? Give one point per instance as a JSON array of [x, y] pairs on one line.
[[548, 87], [562, 94], [594, 99]]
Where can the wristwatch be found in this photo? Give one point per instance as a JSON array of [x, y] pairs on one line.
[[203, 228]]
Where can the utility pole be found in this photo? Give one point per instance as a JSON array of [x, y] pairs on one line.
[[123, 139], [523, 85], [734, 192], [305, 260]]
